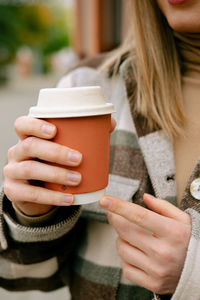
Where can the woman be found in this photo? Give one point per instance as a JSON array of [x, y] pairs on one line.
[[155, 88]]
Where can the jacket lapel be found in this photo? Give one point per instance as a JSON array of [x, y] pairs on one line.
[[158, 155], [156, 148]]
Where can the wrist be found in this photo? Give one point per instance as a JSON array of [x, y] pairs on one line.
[[32, 209], [41, 220]]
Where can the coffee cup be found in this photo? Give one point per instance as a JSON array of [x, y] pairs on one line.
[[83, 121]]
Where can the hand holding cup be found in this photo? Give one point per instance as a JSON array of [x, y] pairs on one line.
[[83, 121], [35, 137], [37, 158]]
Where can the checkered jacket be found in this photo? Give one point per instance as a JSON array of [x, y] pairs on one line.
[[76, 246]]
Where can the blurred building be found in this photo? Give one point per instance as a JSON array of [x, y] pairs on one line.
[[100, 25]]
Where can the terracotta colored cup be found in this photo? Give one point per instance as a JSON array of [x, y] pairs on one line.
[[88, 131]]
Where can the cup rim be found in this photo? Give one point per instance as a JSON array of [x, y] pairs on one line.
[[49, 112]]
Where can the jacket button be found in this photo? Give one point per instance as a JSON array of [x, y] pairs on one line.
[[195, 188]]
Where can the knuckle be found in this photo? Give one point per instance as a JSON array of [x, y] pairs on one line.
[[18, 122], [126, 271], [33, 196], [8, 190], [6, 171], [58, 153], [27, 168], [56, 176], [165, 253], [161, 274], [9, 171], [11, 153], [141, 216], [28, 144]]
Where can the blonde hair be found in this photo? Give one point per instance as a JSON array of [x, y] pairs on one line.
[[156, 68]]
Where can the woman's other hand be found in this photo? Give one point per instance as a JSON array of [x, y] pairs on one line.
[[152, 244]]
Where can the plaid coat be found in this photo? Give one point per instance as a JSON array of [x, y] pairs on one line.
[[76, 246]]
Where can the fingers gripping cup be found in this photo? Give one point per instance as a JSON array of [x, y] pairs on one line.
[[83, 121]]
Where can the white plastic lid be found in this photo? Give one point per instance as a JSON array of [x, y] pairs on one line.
[[71, 102]]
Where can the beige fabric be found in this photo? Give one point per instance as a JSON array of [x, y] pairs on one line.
[[187, 148], [188, 286], [11, 270]]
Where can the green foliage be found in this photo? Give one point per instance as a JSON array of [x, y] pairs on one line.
[[41, 27], [9, 42], [56, 38]]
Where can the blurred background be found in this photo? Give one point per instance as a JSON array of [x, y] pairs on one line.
[[39, 42]]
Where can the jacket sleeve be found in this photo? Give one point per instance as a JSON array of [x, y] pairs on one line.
[[32, 257], [188, 285]]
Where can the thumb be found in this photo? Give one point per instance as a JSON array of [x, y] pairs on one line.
[[164, 208]]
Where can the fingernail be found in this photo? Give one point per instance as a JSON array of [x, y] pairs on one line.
[[48, 129], [67, 199], [74, 177], [105, 202], [74, 156]]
